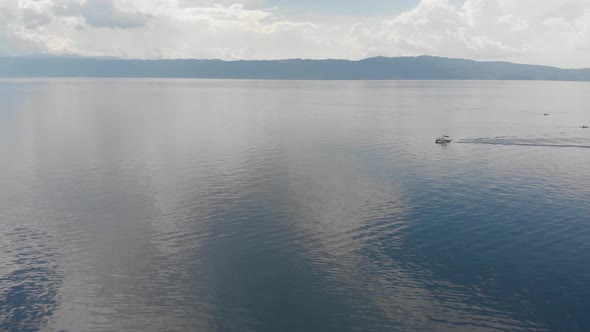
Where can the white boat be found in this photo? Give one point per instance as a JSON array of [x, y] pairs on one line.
[[444, 139]]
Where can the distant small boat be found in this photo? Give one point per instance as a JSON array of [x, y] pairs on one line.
[[444, 139], [585, 127], [545, 114]]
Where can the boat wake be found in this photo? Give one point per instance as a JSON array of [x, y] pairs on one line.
[[547, 140]]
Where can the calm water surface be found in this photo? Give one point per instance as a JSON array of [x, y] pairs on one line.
[[177, 205]]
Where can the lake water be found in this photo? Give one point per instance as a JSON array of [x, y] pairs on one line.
[[209, 205]]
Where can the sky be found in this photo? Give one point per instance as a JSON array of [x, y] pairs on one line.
[[549, 32]]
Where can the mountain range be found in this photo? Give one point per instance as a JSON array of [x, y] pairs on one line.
[[377, 68]]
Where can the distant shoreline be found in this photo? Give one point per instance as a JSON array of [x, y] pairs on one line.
[[380, 68], [8, 79]]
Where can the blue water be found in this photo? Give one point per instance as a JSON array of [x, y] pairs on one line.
[[177, 205]]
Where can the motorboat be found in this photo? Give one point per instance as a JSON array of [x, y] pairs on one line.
[[584, 127], [444, 139]]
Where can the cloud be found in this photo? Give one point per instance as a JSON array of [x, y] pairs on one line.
[[33, 19], [102, 13], [475, 30], [208, 3], [522, 31], [67, 8], [13, 36], [35, 14]]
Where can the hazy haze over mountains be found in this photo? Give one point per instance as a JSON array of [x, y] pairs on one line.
[[377, 68]]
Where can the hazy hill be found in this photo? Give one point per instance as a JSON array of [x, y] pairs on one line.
[[379, 68]]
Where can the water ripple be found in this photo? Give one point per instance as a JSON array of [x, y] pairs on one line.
[[175, 205]]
